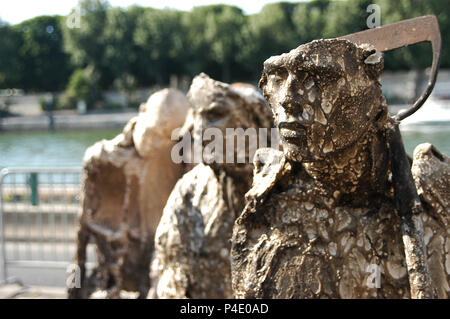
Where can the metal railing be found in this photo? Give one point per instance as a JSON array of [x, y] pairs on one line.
[[39, 210]]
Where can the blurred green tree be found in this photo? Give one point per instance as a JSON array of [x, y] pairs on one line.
[[82, 86], [86, 44], [120, 51], [214, 40], [418, 56], [11, 72], [223, 33], [310, 20], [270, 32], [158, 38], [344, 17], [139, 46], [44, 66]]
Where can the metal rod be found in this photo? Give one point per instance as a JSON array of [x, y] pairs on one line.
[[33, 181], [3, 174], [409, 209]]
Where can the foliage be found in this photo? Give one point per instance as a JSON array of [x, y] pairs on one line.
[[308, 20], [417, 56], [10, 64], [32, 55], [87, 45], [158, 37], [124, 48], [222, 34], [82, 87], [270, 32]]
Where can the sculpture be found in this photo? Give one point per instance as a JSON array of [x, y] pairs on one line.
[[126, 182], [320, 219], [192, 242]]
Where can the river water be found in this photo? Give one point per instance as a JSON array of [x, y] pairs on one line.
[[66, 148], [48, 149]]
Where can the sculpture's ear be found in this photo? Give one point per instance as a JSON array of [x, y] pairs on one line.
[[263, 81], [373, 62]]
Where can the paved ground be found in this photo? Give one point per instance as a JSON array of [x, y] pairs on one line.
[[41, 264], [15, 291], [27, 105], [19, 292]]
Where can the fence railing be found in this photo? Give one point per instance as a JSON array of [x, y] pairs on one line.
[[39, 209]]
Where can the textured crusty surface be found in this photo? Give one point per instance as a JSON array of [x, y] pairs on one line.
[[431, 173], [320, 219], [192, 242], [126, 183], [164, 111], [190, 238]]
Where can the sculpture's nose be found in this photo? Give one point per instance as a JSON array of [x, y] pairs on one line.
[[288, 91], [291, 99]]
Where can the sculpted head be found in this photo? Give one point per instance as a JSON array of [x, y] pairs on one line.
[[221, 106], [323, 95], [164, 111]]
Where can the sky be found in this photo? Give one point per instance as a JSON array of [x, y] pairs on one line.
[[16, 11]]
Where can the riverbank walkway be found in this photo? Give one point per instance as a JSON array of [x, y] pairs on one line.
[[67, 121]]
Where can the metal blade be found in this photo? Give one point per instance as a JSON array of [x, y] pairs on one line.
[[387, 38], [404, 33], [399, 34]]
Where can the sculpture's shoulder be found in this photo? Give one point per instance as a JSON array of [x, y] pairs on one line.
[[193, 196], [270, 166], [193, 235], [431, 173], [201, 176]]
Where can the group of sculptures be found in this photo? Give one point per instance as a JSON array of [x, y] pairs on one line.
[[316, 219]]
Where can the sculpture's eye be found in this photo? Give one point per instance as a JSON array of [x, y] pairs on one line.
[[278, 77], [214, 114]]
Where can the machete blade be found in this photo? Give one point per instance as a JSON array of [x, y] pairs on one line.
[[401, 34]]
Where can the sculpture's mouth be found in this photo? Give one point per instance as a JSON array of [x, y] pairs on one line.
[[291, 131]]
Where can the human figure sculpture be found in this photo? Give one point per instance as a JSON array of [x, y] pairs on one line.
[[320, 219], [126, 183], [192, 241]]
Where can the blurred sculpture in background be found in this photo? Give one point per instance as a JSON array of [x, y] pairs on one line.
[[192, 241], [126, 183], [320, 220], [431, 172]]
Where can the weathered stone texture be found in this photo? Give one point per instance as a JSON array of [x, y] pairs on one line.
[[320, 220], [431, 173], [298, 242], [193, 238], [126, 183]]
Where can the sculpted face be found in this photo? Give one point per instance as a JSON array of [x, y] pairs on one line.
[[323, 95], [214, 108], [221, 106]]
